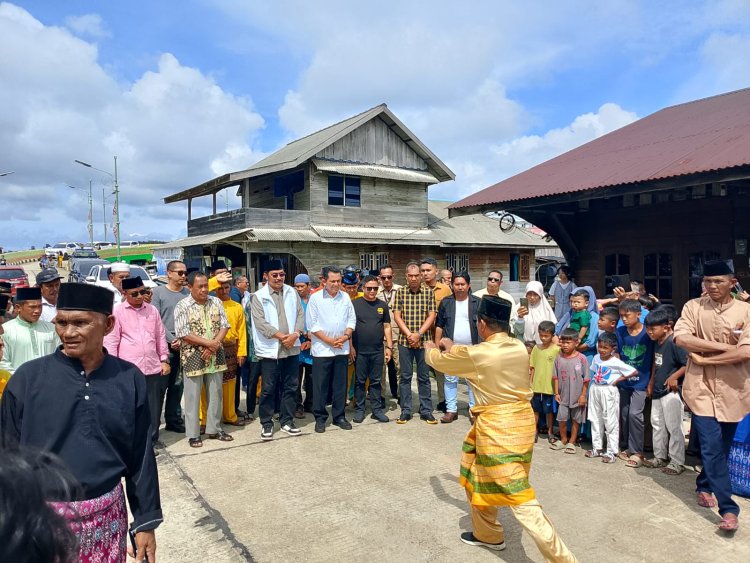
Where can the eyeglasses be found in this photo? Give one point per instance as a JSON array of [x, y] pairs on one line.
[[141, 292], [371, 288], [498, 280], [281, 275], [386, 277], [179, 272]]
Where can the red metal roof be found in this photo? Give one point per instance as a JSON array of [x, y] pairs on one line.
[[700, 136]]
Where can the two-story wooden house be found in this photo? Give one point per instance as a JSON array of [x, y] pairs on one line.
[[353, 193]]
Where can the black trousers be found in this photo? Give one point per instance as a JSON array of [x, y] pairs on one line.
[[278, 375], [393, 378], [156, 387], [252, 387], [329, 373], [172, 409], [305, 376], [369, 366]]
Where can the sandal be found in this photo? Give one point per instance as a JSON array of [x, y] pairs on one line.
[[624, 455], [673, 469], [729, 523], [195, 442], [593, 453], [655, 463], [557, 445], [221, 436], [244, 415], [570, 448], [238, 422], [706, 500], [634, 461], [608, 458]]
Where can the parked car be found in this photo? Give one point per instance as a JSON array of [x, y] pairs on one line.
[[83, 253], [98, 276], [16, 276], [81, 267], [67, 248]]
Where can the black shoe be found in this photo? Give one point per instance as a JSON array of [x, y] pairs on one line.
[[441, 406], [404, 418], [320, 427], [178, 428], [266, 433], [468, 537], [428, 418], [343, 424], [359, 417], [380, 417]]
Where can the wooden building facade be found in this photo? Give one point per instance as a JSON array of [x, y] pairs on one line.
[[353, 193], [654, 200]]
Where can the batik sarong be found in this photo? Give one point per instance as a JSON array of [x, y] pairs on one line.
[[100, 525], [497, 455]]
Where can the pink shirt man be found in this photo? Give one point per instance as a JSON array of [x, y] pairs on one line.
[[138, 337]]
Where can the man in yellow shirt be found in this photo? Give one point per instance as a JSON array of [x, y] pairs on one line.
[[497, 450], [235, 348]]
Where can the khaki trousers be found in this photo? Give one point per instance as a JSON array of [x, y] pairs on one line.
[[532, 518]]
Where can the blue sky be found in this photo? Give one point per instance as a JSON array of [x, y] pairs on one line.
[[184, 91]]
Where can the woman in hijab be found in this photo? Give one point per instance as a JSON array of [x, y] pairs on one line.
[[587, 348], [561, 289], [528, 318]]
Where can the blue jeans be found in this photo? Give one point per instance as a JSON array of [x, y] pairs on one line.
[[451, 394], [407, 356], [715, 441]]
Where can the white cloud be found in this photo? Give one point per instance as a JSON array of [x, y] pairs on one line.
[[171, 128], [88, 24]]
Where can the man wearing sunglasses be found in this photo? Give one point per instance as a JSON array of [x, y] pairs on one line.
[[387, 293], [138, 336], [494, 281], [165, 299]]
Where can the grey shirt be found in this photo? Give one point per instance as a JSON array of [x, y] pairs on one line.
[[165, 300], [268, 330]]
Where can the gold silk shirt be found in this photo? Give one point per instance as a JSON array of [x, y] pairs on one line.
[[497, 369], [722, 392]]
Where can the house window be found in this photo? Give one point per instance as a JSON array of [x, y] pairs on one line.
[[615, 265], [657, 275], [344, 190], [514, 263], [372, 261], [457, 262], [525, 269], [696, 271]]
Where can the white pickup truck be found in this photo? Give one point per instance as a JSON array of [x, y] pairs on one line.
[[66, 248], [98, 276]]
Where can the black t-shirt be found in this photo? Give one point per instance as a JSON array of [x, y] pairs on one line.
[[668, 358], [369, 333]]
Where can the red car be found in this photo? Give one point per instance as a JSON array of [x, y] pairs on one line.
[[15, 275]]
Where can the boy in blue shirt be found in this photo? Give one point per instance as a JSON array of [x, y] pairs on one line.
[[637, 350]]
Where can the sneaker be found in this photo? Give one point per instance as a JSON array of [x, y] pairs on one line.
[[379, 416], [343, 424], [266, 432], [359, 417], [404, 418], [468, 537], [320, 427], [428, 418], [291, 429]]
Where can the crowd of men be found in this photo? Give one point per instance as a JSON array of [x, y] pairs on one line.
[[185, 349]]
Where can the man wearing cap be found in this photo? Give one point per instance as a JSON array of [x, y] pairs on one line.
[[278, 321], [330, 321], [497, 451], [27, 337], [201, 325], [94, 415], [48, 281], [117, 272], [138, 336], [302, 286], [715, 329]]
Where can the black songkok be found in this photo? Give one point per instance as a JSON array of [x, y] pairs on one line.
[[495, 308], [28, 294], [85, 297], [718, 268], [131, 283], [274, 265]]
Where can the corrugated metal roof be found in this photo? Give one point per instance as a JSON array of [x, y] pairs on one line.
[[701, 136], [375, 171], [204, 239], [293, 235], [478, 230], [338, 233]]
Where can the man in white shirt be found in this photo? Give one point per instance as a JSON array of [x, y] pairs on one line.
[[330, 321], [48, 281], [494, 281], [117, 272]]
